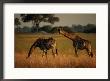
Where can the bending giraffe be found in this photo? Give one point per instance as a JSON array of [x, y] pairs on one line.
[[78, 42], [44, 45]]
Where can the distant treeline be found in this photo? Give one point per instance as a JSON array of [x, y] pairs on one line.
[[89, 28]]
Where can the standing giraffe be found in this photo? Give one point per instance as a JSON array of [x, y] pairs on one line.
[[78, 42]]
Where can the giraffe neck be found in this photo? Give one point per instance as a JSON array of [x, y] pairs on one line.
[[67, 35]]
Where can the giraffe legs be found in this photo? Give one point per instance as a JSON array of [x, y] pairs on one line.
[[44, 53], [76, 50], [89, 53], [54, 53]]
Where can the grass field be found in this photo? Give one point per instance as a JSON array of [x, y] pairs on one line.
[[66, 55]]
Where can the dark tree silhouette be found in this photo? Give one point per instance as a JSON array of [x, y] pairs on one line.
[[46, 28], [90, 28], [38, 18], [17, 23]]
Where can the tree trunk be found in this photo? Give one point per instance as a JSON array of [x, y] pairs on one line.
[[37, 27]]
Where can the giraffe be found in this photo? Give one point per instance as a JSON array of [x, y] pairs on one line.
[[78, 42], [44, 45]]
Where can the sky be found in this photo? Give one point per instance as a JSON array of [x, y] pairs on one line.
[[67, 20]]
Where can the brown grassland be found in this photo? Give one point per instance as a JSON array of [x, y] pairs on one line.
[[66, 55]]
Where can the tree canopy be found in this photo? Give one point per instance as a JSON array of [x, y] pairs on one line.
[[17, 22], [38, 18]]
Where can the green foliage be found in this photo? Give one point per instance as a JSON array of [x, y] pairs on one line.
[[67, 29], [89, 28], [38, 18], [17, 22], [54, 30], [46, 28]]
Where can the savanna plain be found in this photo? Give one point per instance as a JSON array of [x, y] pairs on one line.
[[66, 55]]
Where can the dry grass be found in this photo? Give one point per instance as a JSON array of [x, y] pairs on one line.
[[65, 59], [60, 61]]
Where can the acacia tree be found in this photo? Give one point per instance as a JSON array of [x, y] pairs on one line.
[[17, 23], [38, 18]]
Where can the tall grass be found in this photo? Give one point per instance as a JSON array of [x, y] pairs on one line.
[[65, 59]]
